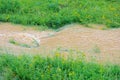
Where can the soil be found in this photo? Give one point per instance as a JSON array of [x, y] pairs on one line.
[[101, 45]]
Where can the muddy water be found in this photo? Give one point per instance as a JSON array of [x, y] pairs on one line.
[[103, 45]]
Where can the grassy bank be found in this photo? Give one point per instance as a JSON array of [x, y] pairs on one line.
[[56, 13], [55, 68]]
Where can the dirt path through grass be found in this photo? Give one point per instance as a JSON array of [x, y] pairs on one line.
[[103, 45]]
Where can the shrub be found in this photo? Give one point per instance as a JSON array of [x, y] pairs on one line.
[[9, 6], [55, 14], [26, 67]]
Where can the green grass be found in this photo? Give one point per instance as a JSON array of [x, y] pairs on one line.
[[26, 67], [32, 45], [12, 41], [96, 49], [56, 13]]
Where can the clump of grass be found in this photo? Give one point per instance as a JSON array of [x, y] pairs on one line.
[[96, 49], [26, 67], [12, 41], [56, 13]]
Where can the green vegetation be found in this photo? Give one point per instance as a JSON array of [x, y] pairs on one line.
[[12, 41], [32, 45], [56, 13], [56, 68], [96, 49]]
